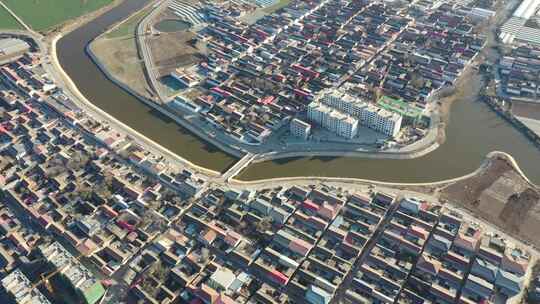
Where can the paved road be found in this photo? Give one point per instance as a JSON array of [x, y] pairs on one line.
[[144, 48], [347, 281]]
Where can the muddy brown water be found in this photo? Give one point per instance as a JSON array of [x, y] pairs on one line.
[[473, 130]]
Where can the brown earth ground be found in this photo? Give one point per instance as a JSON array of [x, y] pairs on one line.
[[120, 57], [526, 109], [497, 193], [117, 50], [172, 50]]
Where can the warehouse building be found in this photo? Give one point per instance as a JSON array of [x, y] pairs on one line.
[[523, 28]]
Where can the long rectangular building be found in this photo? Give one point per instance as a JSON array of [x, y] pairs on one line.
[[18, 286], [82, 280], [333, 120], [517, 30], [369, 115]]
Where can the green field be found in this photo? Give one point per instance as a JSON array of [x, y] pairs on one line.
[[45, 14], [8, 22]]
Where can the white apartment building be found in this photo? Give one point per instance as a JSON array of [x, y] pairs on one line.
[[381, 120], [343, 102], [300, 128], [368, 115], [333, 120]]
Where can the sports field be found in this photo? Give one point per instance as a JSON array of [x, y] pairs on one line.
[[8, 22], [45, 14]]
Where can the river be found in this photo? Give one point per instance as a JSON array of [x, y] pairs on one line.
[[103, 93], [473, 131]]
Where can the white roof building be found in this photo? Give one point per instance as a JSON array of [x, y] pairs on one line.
[[20, 288], [516, 30], [347, 109], [333, 120]]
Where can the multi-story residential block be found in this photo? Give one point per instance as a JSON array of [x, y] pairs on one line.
[[382, 121], [82, 280], [344, 102], [300, 128], [333, 120], [19, 287], [369, 115]]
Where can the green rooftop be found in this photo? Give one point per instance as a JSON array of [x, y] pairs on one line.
[[397, 105], [93, 293]]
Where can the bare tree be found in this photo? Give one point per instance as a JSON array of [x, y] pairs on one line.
[[264, 225], [160, 271], [205, 255]]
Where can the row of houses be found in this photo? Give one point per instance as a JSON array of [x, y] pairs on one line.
[[427, 57], [79, 181], [257, 77], [268, 246], [431, 255], [519, 72]]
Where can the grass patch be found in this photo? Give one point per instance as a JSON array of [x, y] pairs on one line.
[[45, 14], [7, 21], [129, 27]]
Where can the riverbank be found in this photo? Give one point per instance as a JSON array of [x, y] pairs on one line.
[[307, 179], [498, 192], [472, 132], [425, 146], [517, 123], [121, 127]]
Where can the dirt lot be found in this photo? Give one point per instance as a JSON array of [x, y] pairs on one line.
[[501, 196], [526, 109], [173, 50], [120, 57]]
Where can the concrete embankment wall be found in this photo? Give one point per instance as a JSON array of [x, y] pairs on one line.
[[530, 134], [177, 119], [73, 88], [160, 108], [372, 155], [313, 179]]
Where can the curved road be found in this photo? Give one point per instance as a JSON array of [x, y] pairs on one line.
[[473, 131]]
